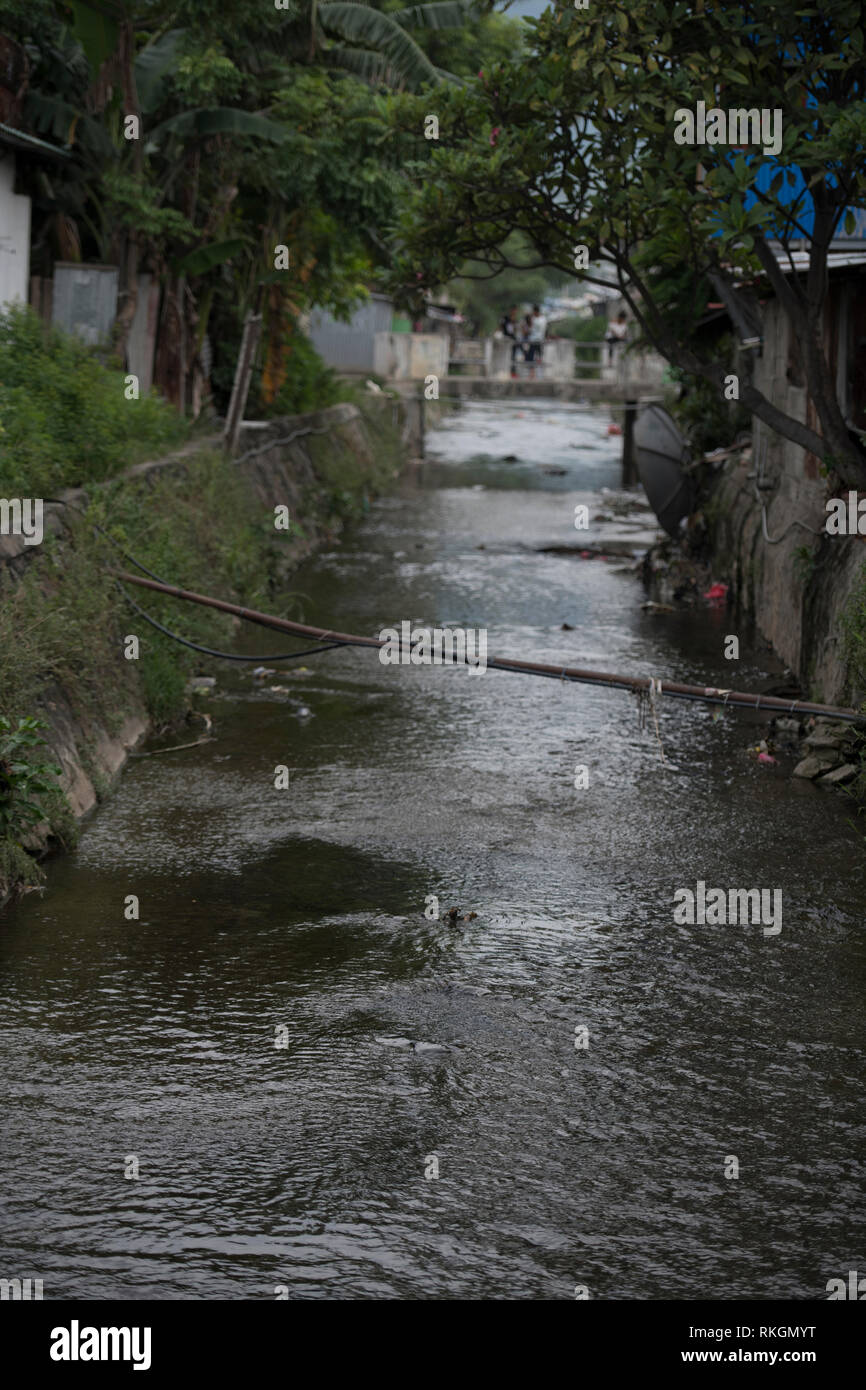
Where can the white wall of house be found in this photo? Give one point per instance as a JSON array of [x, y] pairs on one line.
[[14, 235]]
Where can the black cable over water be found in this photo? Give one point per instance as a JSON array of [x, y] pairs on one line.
[[167, 632], [209, 651]]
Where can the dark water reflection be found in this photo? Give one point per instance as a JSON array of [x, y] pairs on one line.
[[305, 1164]]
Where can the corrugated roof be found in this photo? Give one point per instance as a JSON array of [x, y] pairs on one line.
[[836, 260], [20, 140]]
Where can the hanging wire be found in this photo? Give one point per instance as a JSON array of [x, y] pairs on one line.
[[166, 631]]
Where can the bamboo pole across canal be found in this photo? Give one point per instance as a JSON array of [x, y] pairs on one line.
[[648, 685]]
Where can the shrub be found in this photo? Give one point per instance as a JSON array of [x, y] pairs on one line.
[[65, 418], [705, 417], [309, 384], [24, 779], [30, 797]]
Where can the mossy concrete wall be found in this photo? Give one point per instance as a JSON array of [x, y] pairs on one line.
[[317, 462], [796, 586]]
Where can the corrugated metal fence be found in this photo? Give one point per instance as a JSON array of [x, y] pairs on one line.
[[350, 346]]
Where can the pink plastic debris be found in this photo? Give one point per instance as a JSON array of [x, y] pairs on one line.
[[716, 592]]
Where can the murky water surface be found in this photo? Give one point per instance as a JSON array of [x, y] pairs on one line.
[[305, 1164]]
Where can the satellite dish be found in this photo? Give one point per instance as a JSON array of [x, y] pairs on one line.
[[661, 451]]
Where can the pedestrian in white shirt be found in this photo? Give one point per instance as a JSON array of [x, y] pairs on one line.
[[615, 337], [537, 334]]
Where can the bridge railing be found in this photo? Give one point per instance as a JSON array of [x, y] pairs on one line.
[[470, 352], [563, 359], [617, 364], [556, 364]]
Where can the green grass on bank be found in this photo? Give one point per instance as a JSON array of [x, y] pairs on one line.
[[197, 525], [64, 416], [65, 420]]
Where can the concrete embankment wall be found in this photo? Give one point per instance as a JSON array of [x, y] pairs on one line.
[[797, 585], [290, 460], [315, 464]]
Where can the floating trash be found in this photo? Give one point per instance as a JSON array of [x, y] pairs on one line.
[[453, 916], [407, 1045], [717, 593]]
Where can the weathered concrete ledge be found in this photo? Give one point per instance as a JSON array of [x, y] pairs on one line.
[[522, 388], [283, 458], [15, 552]]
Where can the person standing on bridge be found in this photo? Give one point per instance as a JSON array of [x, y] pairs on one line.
[[523, 328], [508, 329], [615, 337], [537, 334]]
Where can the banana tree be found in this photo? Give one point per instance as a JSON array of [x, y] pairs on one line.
[[374, 45], [139, 196], [377, 46], [169, 199]]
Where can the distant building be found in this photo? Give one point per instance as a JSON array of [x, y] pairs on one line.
[[379, 340]]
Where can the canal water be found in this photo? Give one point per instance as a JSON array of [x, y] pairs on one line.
[[245, 1044]]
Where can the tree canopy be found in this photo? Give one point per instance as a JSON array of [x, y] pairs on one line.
[[574, 146]]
